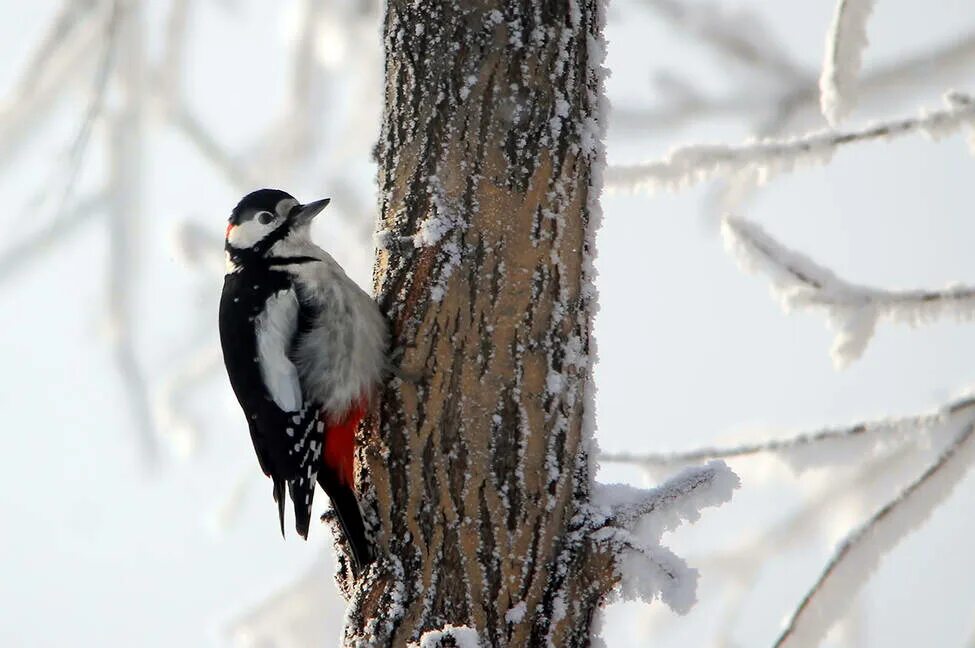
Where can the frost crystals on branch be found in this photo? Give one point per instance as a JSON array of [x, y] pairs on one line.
[[632, 520], [689, 165], [861, 551], [854, 443], [845, 42], [852, 311]]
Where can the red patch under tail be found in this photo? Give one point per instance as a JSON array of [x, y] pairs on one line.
[[339, 455]]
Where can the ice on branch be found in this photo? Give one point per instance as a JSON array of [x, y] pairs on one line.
[[689, 165], [452, 636], [852, 311], [633, 520], [855, 443], [862, 550], [845, 42]]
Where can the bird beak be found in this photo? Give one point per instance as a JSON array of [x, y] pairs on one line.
[[302, 214]]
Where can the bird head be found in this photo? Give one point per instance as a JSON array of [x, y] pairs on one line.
[[264, 217]]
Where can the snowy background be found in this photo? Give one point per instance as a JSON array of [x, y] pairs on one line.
[[134, 511]]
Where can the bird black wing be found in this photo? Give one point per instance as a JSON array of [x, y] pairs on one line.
[[255, 343]]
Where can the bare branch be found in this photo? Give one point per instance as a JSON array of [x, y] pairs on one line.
[[689, 165], [845, 42], [852, 310], [860, 553]]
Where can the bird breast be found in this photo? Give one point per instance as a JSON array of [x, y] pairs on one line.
[[341, 345]]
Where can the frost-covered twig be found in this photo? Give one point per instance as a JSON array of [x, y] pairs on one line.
[[861, 551], [852, 310], [803, 450], [632, 520], [679, 498], [845, 42], [943, 64], [689, 165]]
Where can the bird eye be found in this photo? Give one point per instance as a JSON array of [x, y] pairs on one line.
[[265, 217]]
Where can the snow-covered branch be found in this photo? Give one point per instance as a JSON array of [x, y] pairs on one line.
[[852, 310], [861, 551], [632, 520], [678, 499], [845, 42], [831, 446], [689, 165]]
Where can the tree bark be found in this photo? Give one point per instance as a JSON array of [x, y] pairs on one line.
[[477, 469]]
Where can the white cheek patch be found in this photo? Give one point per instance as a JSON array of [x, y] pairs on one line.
[[247, 233]]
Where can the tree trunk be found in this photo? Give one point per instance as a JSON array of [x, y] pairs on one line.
[[478, 468]]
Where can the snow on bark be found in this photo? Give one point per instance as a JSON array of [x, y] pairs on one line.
[[845, 43], [852, 311], [689, 165], [862, 550], [449, 636]]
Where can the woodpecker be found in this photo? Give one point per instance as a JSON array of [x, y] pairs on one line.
[[305, 350]]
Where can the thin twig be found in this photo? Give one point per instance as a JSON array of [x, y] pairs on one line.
[[852, 310], [708, 485], [863, 548], [845, 43], [780, 445], [689, 165]]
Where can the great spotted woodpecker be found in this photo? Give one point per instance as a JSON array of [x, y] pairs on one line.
[[305, 349]]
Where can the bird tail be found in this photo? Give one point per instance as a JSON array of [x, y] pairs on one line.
[[346, 507], [278, 492], [337, 479]]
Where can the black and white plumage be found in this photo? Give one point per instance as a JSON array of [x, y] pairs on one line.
[[305, 349]]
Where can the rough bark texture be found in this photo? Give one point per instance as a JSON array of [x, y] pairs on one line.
[[478, 468]]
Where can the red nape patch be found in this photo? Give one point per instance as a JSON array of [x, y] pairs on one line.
[[230, 226], [339, 453]]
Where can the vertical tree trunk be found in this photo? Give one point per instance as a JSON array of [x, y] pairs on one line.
[[479, 465]]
